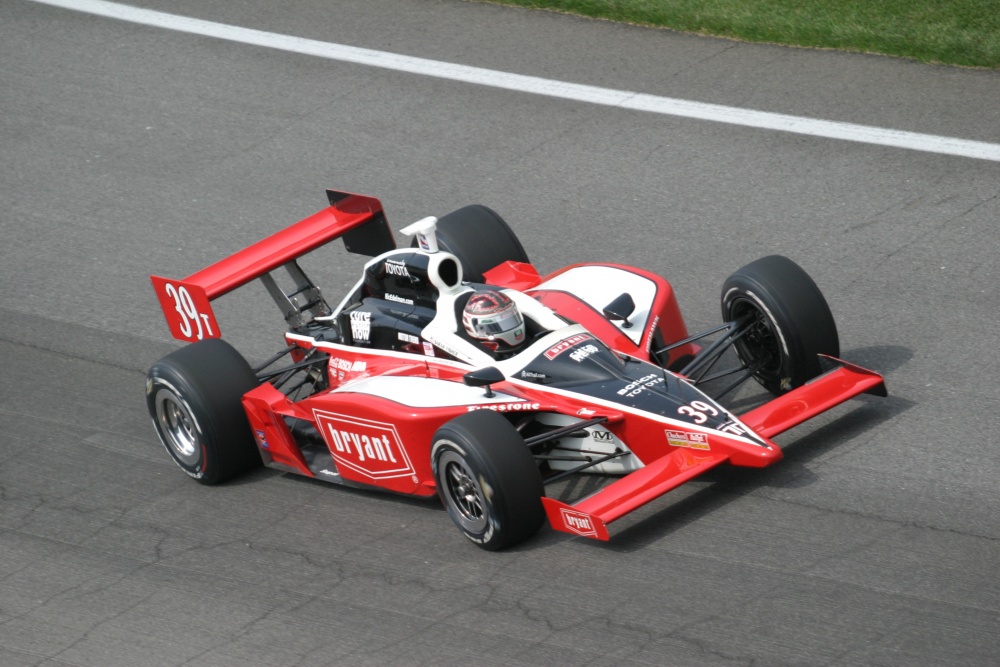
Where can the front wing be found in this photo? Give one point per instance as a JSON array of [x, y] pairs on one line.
[[590, 516]]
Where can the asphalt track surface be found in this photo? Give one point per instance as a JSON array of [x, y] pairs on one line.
[[131, 150]]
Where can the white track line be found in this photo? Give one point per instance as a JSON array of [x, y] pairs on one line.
[[928, 143]]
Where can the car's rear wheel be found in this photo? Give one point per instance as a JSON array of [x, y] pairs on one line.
[[789, 321], [488, 480], [480, 239], [194, 398]]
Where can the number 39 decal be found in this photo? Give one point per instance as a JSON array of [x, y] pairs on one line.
[[187, 309], [698, 411]]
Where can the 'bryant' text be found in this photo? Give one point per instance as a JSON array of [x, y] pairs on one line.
[[374, 447]]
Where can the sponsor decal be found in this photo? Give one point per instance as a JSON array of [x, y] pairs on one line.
[[586, 412], [369, 447], [365, 445], [583, 352], [262, 439], [649, 334], [491, 528], [577, 522], [341, 367], [331, 473], [448, 349], [733, 427], [398, 299], [506, 407], [566, 344], [635, 388], [361, 325], [531, 375], [685, 439], [428, 349], [602, 436], [396, 267], [407, 338]]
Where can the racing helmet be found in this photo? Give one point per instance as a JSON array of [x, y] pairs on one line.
[[493, 319]]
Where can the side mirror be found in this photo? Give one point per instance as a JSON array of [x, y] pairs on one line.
[[484, 377], [620, 309]]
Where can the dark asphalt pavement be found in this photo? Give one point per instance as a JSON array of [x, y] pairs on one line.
[[132, 150]]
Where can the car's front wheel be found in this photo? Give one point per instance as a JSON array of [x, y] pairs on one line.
[[788, 319], [194, 398], [488, 480]]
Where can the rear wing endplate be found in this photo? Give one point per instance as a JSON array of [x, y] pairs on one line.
[[358, 219]]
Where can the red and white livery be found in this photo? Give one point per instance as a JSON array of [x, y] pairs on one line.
[[404, 386]]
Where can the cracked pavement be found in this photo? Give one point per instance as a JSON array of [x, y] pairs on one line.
[[132, 151]]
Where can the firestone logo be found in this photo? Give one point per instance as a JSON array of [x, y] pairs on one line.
[[371, 448], [578, 522], [506, 407]]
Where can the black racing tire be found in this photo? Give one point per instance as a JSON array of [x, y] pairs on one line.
[[194, 398], [480, 239], [792, 322], [488, 480]]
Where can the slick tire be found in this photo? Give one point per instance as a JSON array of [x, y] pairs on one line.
[[488, 480], [792, 323], [194, 398], [480, 239]]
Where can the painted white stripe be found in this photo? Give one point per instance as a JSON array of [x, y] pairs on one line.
[[538, 86]]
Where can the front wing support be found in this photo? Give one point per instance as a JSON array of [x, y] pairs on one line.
[[590, 516]]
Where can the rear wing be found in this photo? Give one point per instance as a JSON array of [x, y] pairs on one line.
[[358, 219]]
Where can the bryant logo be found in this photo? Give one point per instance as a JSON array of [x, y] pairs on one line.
[[565, 344], [578, 522], [369, 447]]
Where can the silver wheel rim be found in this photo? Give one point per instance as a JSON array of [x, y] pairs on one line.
[[463, 493], [177, 427]]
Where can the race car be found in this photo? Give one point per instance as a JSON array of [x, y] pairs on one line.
[[453, 368]]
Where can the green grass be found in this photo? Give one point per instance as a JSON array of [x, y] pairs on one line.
[[954, 32]]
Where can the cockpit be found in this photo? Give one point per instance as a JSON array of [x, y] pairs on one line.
[[413, 300]]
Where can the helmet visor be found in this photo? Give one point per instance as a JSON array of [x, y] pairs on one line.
[[500, 323]]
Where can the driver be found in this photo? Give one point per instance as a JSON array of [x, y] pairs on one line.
[[491, 318]]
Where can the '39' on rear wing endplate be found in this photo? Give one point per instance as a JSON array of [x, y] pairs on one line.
[[357, 219]]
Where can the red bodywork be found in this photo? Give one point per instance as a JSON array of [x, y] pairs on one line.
[[381, 409]]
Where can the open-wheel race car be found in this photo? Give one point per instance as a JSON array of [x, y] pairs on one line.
[[453, 368]]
